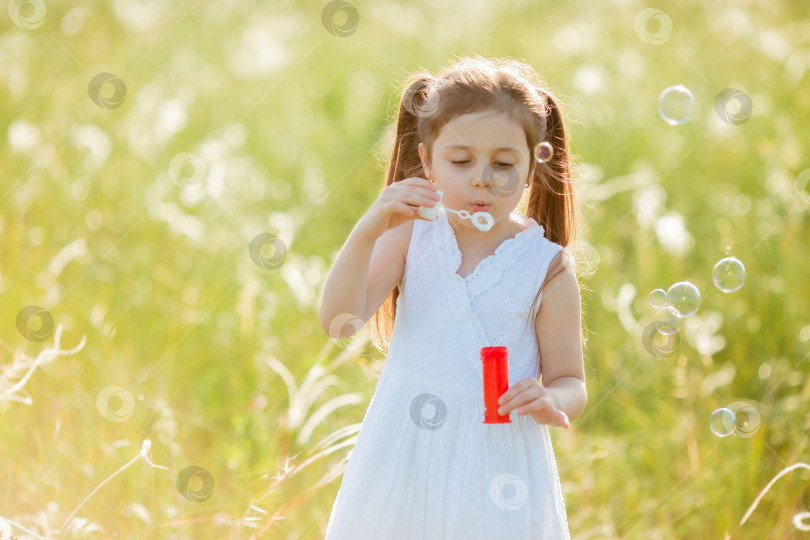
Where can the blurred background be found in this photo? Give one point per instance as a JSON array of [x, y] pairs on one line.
[[176, 179]]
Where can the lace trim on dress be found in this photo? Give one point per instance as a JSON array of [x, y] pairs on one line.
[[488, 271]]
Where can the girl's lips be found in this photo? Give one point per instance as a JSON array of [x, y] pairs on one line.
[[480, 207]]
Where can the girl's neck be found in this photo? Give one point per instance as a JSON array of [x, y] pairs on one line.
[[468, 237]]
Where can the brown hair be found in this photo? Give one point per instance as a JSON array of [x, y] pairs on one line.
[[473, 84]]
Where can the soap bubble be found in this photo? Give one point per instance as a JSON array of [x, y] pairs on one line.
[[676, 105], [722, 421], [543, 152], [669, 319], [729, 274], [684, 297], [658, 298]]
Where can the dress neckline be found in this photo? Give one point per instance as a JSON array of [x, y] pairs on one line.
[[505, 248], [462, 291]]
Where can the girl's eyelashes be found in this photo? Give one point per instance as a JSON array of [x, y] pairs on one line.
[[499, 163]]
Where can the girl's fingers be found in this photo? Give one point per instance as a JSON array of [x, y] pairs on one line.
[[540, 406], [418, 185], [546, 405], [555, 417], [419, 197], [558, 415]]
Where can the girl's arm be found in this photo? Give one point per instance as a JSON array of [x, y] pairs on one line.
[[559, 337], [372, 261], [345, 289], [367, 268]]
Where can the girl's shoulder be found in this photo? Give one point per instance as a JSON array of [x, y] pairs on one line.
[[387, 264], [549, 244], [405, 236], [398, 239]]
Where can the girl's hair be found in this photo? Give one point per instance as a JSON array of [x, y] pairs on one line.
[[474, 84]]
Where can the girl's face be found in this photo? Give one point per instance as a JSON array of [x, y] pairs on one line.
[[480, 157]]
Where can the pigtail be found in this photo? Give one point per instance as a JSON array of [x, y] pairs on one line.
[[553, 202], [552, 199], [416, 103], [413, 105]]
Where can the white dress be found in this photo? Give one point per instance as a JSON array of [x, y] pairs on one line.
[[424, 465]]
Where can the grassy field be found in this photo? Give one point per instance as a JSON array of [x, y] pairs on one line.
[[177, 178]]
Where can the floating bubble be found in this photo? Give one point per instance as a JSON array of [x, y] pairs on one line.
[[658, 298], [676, 105], [669, 320], [543, 152], [684, 297], [721, 422], [729, 274]]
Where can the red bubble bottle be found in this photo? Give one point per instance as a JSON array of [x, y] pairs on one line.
[[496, 382]]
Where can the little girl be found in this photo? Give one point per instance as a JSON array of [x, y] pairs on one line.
[[425, 465]]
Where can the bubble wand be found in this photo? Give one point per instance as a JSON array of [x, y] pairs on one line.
[[483, 221]]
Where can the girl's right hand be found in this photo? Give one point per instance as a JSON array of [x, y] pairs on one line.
[[398, 203]]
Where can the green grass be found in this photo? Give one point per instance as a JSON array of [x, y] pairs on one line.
[[226, 363]]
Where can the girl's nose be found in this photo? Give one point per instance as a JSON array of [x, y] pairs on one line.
[[483, 177], [503, 182]]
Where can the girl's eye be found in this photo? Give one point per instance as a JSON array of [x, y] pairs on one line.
[[499, 164]]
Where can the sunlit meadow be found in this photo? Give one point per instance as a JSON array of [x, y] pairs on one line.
[[176, 179]]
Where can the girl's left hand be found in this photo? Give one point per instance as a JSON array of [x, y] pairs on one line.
[[529, 396]]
